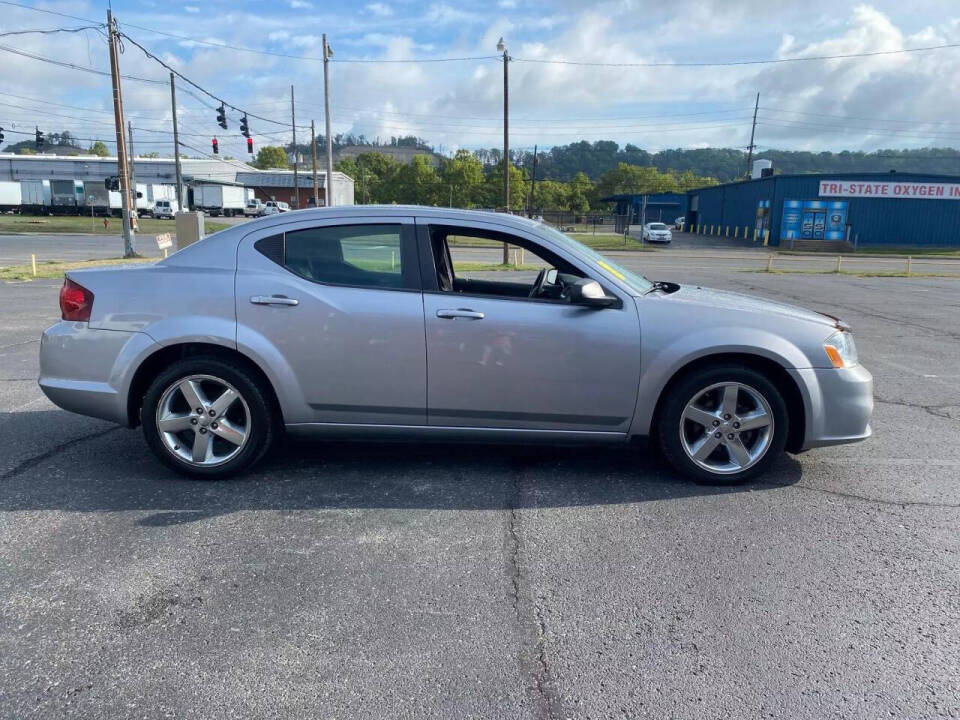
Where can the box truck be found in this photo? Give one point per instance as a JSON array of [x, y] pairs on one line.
[[226, 200]]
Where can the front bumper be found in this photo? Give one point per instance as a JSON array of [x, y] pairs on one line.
[[838, 405], [88, 371]]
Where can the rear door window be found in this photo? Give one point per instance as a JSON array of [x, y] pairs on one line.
[[353, 255]]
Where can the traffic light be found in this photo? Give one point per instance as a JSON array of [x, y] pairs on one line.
[[1, 134], [249, 144], [222, 117], [111, 183], [216, 147], [244, 126], [39, 139]]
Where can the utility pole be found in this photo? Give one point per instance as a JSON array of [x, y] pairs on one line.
[[533, 185], [133, 176], [296, 173], [753, 130], [176, 145], [328, 183], [506, 139], [313, 150], [128, 236]]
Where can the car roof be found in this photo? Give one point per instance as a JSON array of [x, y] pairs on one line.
[[423, 211]]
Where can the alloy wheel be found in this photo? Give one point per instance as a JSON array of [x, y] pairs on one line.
[[203, 420], [726, 428]]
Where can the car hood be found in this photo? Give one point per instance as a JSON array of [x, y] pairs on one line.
[[726, 300]]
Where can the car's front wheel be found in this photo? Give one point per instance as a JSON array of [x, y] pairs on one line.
[[207, 417], [723, 425]]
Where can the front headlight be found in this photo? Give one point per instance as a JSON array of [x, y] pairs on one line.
[[841, 349]]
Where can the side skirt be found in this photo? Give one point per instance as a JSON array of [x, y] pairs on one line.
[[436, 433]]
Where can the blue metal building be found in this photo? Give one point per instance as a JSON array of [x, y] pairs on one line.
[[891, 209], [661, 207]]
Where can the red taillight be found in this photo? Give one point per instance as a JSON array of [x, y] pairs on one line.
[[76, 301]]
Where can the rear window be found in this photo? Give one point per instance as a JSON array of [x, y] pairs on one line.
[[356, 255]]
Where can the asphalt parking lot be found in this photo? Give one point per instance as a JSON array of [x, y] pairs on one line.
[[398, 581]]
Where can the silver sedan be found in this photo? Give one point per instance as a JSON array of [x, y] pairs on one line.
[[366, 322]]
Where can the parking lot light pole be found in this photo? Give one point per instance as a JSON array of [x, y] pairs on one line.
[[501, 47]]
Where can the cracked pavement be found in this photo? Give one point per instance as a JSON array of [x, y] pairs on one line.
[[442, 581]]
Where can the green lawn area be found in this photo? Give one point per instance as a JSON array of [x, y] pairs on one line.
[[600, 241], [56, 268], [479, 266], [56, 224]]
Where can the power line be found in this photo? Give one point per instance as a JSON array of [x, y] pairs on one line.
[[730, 63], [72, 66], [582, 63], [51, 31], [44, 10], [855, 117], [198, 86]]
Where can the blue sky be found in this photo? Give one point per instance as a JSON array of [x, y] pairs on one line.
[[888, 101]]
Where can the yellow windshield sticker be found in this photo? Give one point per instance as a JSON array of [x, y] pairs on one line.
[[619, 275]]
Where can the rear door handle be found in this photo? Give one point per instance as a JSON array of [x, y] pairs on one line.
[[460, 313], [273, 300]]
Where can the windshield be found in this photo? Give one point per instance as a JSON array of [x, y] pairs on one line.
[[657, 226], [635, 281]]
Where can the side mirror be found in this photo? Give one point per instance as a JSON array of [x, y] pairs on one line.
[[588, 293]]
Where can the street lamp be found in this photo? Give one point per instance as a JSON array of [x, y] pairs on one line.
[[502, 48]]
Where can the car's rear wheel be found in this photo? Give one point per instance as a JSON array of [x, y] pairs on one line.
[[723, 425], [207, 418]]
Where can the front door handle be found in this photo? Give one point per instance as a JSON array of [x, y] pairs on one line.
[[273, 300], [460, 313]]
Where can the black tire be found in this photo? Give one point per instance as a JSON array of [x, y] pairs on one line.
[[670, 422], [262, 430]]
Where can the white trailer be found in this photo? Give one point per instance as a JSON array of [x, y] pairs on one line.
[[10, 196], [214, 199], [35, 195]]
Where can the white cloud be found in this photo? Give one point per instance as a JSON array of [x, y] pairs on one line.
[[443, 14], [305, 40], [899, 100], [507, 4], [380, 9], [191, 8], [301, 4]]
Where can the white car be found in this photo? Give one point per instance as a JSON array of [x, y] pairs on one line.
[[165, 209], [253, 208], [657, 232], [273, 207]]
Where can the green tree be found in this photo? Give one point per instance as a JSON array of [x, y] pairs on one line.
[[582, 193], [271, 156], [26, 151], [492, 192], [375, 177], [462, 176], [418, 182], [99, 148]]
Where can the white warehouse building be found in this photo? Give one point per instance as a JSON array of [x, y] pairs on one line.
[[44, 179]]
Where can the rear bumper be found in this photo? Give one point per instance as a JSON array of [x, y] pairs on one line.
[[839, 405], [89, 371]]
